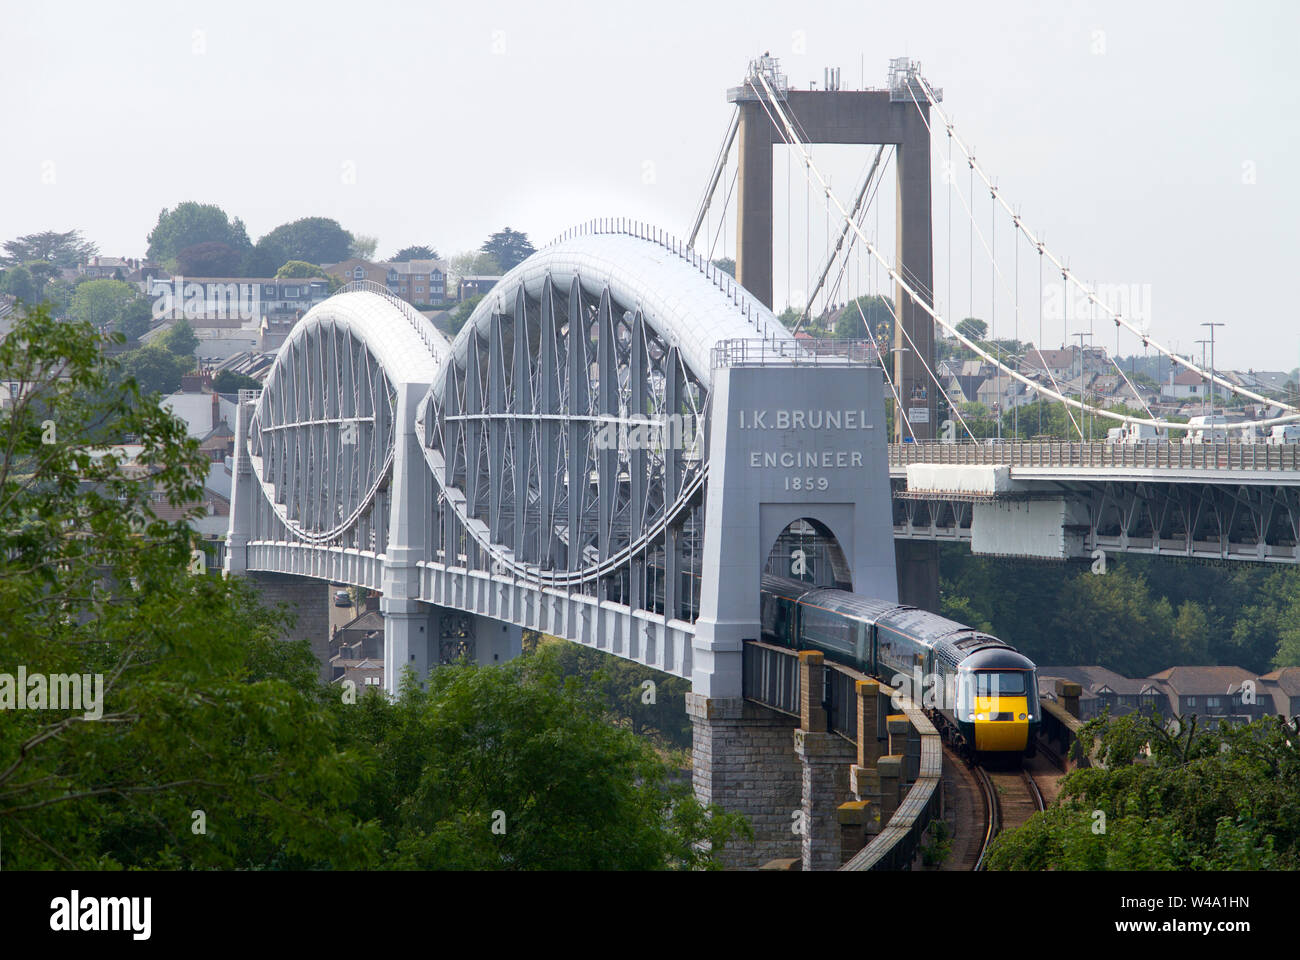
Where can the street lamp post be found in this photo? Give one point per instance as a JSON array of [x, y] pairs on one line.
[[1082, 394], [1212, 324]]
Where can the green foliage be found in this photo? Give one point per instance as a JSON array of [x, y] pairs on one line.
[[18, 282], [458, 316], [264, 258], [212, 258], [134, 319], [59, 293], [60, 249], [298, 269], [973, 328], [726, 265], [180, 340], [509, 248], [310, 239], [1039, 418], [1221, 799], [102, 303], [518, 748], [227, 381], [657, 711], [154, 368], [879, 317], [418, 252], [936, 851], [190, 224], [1144, 614], [201, 709], [42, 272], [363, 246]]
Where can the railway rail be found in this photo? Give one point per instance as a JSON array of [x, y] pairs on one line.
[[1010, 798]]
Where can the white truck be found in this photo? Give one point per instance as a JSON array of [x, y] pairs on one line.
[[1130, 433], [1207, 429], [1284, 433]]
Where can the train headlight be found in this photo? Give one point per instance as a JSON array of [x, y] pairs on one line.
[[1022, 716], [982, 716], [971, 717], [1031, 716]]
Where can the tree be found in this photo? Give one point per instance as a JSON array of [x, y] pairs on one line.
[[457, 318], [134, 319], [363, 246], [227, 381], [18, 282], [407, 254], [298, 269], [191, 224], [155, 369], [264, 258], [1111, 620], [973, 328], [512, 768], [210, 259], [101, 302], [726, 265], [59, 293], [472, 264], [649, 703], [42, 272], [879, 317], [312, 239], [199, 707], [508, 247], [61, 249], [1288, 637], [1225, 798], [180, 340]]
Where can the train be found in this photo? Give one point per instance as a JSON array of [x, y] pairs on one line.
[[979, 691]]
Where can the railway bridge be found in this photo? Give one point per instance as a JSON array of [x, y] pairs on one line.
[[610, 451], [622, 438]]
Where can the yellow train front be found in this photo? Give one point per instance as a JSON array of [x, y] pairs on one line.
[[981, 693]]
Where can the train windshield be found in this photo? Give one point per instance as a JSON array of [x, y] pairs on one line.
[[1000, 683]]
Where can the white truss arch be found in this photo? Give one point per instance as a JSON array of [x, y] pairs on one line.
[[321, 437], [524, 404]]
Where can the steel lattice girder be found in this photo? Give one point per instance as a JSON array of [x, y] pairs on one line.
[[1205, 520], [590, 360], [321, 438]]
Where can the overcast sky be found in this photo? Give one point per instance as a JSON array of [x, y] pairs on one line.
[[1125, 131]]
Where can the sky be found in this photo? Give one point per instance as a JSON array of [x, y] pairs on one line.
[[1152, 143]]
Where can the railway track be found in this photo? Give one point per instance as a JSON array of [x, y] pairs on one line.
[[1010, 798]]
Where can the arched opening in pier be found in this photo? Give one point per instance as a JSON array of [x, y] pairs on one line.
[[807, 550]]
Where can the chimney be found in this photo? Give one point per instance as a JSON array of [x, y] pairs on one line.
[[216, 410]]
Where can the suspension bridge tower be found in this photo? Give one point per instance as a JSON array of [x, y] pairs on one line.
[[897, 116]]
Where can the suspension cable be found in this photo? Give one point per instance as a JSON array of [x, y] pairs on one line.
[[1065, 271], [907, 288]]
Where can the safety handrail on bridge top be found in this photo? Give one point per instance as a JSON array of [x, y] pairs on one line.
[[422, 325], [1230, 455], [720, 278], [831, 352]]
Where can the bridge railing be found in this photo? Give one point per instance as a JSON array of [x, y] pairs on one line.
[[817, 353], [1175, 456], [771, 676]]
